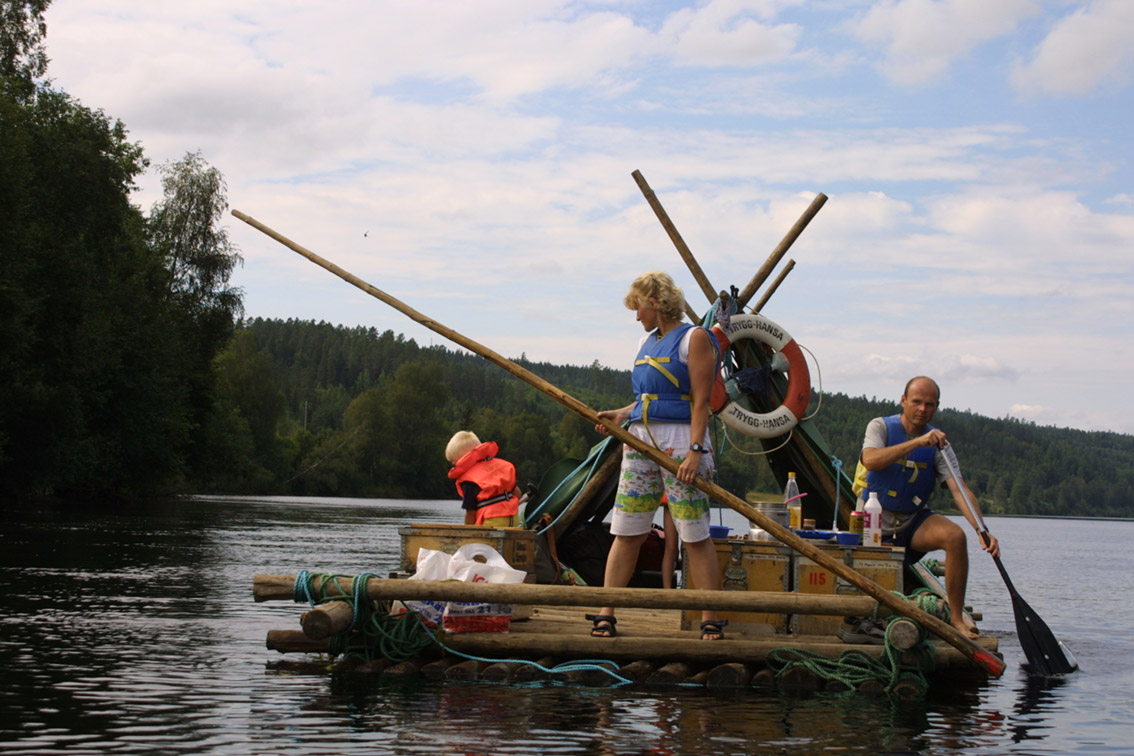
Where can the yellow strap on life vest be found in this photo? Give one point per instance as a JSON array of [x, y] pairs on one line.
[[646, 399], [656, 362], [916, 467]]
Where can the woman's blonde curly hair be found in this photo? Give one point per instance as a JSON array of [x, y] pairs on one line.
[[661, 288]]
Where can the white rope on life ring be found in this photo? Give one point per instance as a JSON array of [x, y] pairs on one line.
[[787, 415]]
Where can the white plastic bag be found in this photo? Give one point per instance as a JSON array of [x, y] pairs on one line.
[[471, 563], [480, 563], [431, 565]]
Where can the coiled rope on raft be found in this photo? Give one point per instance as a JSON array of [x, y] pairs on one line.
[[854, 667]]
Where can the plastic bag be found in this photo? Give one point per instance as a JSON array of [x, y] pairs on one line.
[[431, 565], [480, 563], [471, 563]]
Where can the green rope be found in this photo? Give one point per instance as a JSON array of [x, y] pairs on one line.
[[375, 633], [854, 667]]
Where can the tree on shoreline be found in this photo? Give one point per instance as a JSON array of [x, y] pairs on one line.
[[109, 321]]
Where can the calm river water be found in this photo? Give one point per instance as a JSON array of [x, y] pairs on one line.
[[133, 631]]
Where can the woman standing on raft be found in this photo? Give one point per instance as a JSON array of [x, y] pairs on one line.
[[672, 379]]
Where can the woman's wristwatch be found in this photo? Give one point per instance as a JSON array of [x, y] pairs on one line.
[[696, 448]]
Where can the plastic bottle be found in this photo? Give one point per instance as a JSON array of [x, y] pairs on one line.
[[793, 502], [872, 521]]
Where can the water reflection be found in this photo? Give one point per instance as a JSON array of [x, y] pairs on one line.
[[132, 630], [1036, 699]]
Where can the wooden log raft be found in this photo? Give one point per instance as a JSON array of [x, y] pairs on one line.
[[629, 648], [280, 588], [991, 663]]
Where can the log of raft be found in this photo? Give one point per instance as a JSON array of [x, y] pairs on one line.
[[280, 588], [327, 619], [628, 647]]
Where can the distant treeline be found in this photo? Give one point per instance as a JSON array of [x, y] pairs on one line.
[[323, 409]]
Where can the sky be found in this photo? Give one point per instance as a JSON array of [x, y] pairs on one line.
[[474, 159]]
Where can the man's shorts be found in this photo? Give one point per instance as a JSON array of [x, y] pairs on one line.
[[641, 484], [906, 524]]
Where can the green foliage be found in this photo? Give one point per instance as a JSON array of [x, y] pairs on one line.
[[369, 413], [82, 347], [23, 58], [106, 368]]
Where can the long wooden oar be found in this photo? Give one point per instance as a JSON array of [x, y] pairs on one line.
[[1046, 654], [981, 656]]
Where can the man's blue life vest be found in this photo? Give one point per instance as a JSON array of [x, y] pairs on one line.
[[907, 484], [661, 381]]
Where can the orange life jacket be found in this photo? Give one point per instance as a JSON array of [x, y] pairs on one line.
[[496, 478]]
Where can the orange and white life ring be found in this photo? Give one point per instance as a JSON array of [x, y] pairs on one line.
[[787, 415]]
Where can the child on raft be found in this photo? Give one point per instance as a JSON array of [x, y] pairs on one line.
[[485, 483]]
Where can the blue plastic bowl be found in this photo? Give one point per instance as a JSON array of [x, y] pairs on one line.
[[718, 531], [849, 539]]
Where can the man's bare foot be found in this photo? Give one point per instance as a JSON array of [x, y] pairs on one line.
[[967, 629]]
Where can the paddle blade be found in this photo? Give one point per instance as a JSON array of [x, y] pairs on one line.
[[1046, 654]]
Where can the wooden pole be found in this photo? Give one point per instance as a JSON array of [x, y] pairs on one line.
[[682, 248], [775, 285], [625, 648], [279, 588], [325, 620], [982, 657], [780, 250]]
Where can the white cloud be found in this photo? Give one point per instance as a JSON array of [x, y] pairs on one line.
[[1088, 47], [729, 33], [920, 39]]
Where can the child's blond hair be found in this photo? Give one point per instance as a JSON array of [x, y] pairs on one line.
[[460, 444]]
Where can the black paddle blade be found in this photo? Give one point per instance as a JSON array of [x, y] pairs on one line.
[[1046, 654]]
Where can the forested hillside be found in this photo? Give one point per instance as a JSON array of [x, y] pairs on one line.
[[322, 409]]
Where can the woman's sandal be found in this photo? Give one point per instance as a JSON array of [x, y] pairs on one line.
[[603, 625], [711, 628]]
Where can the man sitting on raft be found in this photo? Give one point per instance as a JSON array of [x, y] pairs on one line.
[[903, 466]]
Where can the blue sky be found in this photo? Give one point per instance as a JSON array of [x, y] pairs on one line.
[[474, 160]]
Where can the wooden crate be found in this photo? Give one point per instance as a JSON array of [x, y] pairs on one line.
[[746, 566], [516, 545], [882, 565]]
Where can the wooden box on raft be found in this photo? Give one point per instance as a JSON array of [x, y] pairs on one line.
[[882, 565], [746, 566], [516, 545]]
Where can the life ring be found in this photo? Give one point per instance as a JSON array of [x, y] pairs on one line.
[[787, 415]]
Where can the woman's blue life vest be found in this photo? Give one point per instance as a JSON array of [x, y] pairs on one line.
[[660, 380], [908, 483]]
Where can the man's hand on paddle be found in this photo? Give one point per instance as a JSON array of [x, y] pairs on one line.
[[934, 437], [992, 546]]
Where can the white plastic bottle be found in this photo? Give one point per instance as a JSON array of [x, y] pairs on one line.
[[872, 521], [793, 503]]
